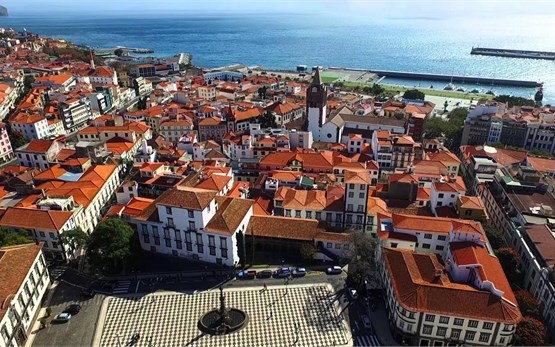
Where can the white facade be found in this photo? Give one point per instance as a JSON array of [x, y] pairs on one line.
[[36, 127]]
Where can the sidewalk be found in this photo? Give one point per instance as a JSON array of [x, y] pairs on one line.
[[381, 325], [42, 312]]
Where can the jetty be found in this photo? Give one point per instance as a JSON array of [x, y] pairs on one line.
[[513, 53]]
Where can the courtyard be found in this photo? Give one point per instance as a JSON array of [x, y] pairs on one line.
[[293, 315]]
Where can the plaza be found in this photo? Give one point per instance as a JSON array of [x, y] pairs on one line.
[[294, 315]]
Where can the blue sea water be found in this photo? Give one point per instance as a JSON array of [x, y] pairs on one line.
[[422, 44]]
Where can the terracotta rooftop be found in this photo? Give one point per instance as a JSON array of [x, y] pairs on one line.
[[283, 228], [231, 212], [187, 197], [417, 287], [30, 218]]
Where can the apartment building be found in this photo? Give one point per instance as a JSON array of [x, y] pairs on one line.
[[24, 282], [443, 283], [6, 150], [193, 223]]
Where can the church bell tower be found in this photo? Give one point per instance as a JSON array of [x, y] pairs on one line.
[[316, 101]]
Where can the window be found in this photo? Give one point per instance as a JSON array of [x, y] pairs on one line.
[[287, 213], [508, 327], [329, 245], [473, 323], [444, 320], [337, 246], [458, 321], [54, 245], [426, 245], [170, 223], [469, 336], [191, 214], [484, 337], [359, 219], [441, 331], [351, 186], [361, 195], [439, 248], [362, 187], [501, 340], [440, 195], [360, 208], [318, 215], [200, 248], [487, 325], [156, 235], [427, 236], [188, 241], [42, 234], [455, 334], [349, 219], [351, 195], [427, 329], [192, 226], [349, 207], [441, 237], [430, 318], [297, 214], [146, 236], [211, 245], [52, 236], [309, 214], [168, 210], [409, 327]]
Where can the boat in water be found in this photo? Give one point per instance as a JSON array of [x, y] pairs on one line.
[[476, 91], [490, 92], [461, 89], [450, 86]]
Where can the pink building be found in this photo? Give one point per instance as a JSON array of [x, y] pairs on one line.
[[6, 151]]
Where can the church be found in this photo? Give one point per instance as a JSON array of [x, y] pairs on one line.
[[344, 122]]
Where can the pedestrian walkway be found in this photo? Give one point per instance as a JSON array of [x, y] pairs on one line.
[[367, 340], [57, 272], [122, 287]]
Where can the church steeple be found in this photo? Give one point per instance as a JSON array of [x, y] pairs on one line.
[[317, 80]]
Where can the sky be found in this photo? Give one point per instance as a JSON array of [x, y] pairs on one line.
[[399, 8]]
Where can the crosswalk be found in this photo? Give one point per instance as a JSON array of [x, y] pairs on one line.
[[122, 287], [367, 340], [57, 272]]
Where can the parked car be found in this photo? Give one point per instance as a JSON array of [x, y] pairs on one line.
[[282, 272], [336, 270], [73, 309], [264, 274], [62, 317], [299, 272], [247, 275], [352, 293], [366, 321]]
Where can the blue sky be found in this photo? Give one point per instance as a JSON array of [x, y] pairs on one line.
[[400, 8]]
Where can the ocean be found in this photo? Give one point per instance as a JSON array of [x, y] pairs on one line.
[[283, 41]]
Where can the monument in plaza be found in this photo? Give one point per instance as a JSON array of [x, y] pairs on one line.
[[224, 320]]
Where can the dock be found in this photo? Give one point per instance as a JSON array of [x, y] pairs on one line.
[[457, 79], [513, 53]]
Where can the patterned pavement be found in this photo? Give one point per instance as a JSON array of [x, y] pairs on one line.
[[301, 315]]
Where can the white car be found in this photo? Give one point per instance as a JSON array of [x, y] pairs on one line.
[[336, 270], [62, 317], [353, 293]]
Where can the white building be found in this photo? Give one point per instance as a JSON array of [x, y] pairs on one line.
[[6, 150], [443, 283], [38, 153], [206, 92], [75, 113], [32, 126], [445, 194], [24, 281], [192, 223]]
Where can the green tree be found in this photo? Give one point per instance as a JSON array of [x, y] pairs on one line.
[[110, 244], [510, 262], [530, 332], [527, 303], [267, 120], [540, 153], [494, 236], [414, 94], [75, 238], [308, 250], [377, 89], [28, 80], [362, 259], [262, 92], [514, 100], [12, 238]]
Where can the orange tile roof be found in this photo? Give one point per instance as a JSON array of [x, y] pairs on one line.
[[283, 228], [29, 218], [417, 288], [57, 79], [444, 156], [39, 146], [358, 177], [541, 164], [230, 214], [214, 182], [436, 224], [187, 197], [472, 202], [210, 121], [286, 175], [235, 191]]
